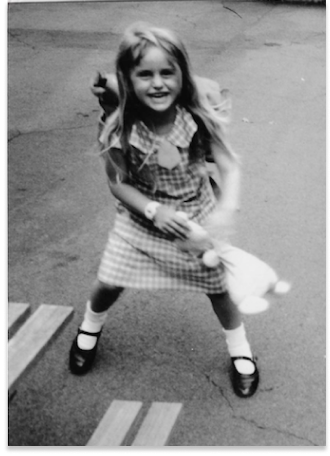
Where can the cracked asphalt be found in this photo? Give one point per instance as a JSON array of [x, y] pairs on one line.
[[168, 346]]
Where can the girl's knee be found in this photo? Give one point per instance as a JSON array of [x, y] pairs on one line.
[[106, 288], [220, 300], [104, 295]]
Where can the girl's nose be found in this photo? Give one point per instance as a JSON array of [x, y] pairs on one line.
[[157, 81]]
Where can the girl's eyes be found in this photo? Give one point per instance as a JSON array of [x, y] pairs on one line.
[[168, 72], [144, 74], [149, 74]]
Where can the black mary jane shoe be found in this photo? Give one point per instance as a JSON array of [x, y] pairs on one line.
[[81, 360], [244, 385]]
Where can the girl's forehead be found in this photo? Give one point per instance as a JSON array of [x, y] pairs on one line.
[[155, 56]]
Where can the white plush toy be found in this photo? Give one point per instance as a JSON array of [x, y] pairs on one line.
[[248, 278]]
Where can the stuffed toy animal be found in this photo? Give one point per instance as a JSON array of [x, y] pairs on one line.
[[249, 279]]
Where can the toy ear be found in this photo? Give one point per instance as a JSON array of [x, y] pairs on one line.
[[253, 305], [281, 287]]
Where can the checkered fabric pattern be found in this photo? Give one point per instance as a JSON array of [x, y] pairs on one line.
[[138, 255], [180, 135]]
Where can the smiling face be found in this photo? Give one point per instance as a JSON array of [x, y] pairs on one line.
[[157, 80]]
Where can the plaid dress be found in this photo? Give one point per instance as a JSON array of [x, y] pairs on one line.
[[139, 255]]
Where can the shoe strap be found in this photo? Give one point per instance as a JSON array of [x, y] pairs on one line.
[[252, 360], [82, 331]]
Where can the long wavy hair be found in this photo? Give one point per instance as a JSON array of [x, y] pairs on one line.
[[137, 39]]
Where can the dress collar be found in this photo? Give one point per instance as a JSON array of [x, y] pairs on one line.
[[180, 135]]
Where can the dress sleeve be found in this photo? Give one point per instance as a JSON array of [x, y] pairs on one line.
[[212, 95]]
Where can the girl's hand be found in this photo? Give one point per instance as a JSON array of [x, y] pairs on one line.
[[168, 221], [97, 85], [220, 224], [105, 89]]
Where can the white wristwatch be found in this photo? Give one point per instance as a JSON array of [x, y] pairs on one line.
[[151, 209]]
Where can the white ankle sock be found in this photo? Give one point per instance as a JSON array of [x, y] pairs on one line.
[[93, 323], [239, 346]]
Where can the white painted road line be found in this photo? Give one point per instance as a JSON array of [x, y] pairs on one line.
[[32, 338], [116, 423], [158, 424], [17, 313]]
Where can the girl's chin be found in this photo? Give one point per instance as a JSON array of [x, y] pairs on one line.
[[150, 109], [161, 107]]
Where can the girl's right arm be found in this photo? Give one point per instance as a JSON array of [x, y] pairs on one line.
[[165, 219], [128, 195]]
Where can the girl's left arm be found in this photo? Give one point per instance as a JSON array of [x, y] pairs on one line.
[[221, 221], [230, 177]]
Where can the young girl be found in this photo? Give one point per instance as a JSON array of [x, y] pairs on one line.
[[155, 146]]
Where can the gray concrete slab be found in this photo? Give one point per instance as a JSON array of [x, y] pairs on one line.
[[167, 346]]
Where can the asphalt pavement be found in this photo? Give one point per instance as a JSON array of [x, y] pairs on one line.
[[168, 346]]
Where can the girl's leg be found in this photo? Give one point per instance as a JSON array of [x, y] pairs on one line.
[[226, 311], [102, 298], [83, 349], [238, 346], [233, 327]]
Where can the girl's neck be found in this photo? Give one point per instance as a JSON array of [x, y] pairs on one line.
[[160, 123]]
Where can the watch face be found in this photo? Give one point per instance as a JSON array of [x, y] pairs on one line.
[[151, 210]]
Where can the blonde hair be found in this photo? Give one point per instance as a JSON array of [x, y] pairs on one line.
[[136, 40]]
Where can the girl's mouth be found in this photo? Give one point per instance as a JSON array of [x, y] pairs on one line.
[[158, 95]]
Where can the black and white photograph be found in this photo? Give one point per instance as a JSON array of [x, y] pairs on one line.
[[166, 224]]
